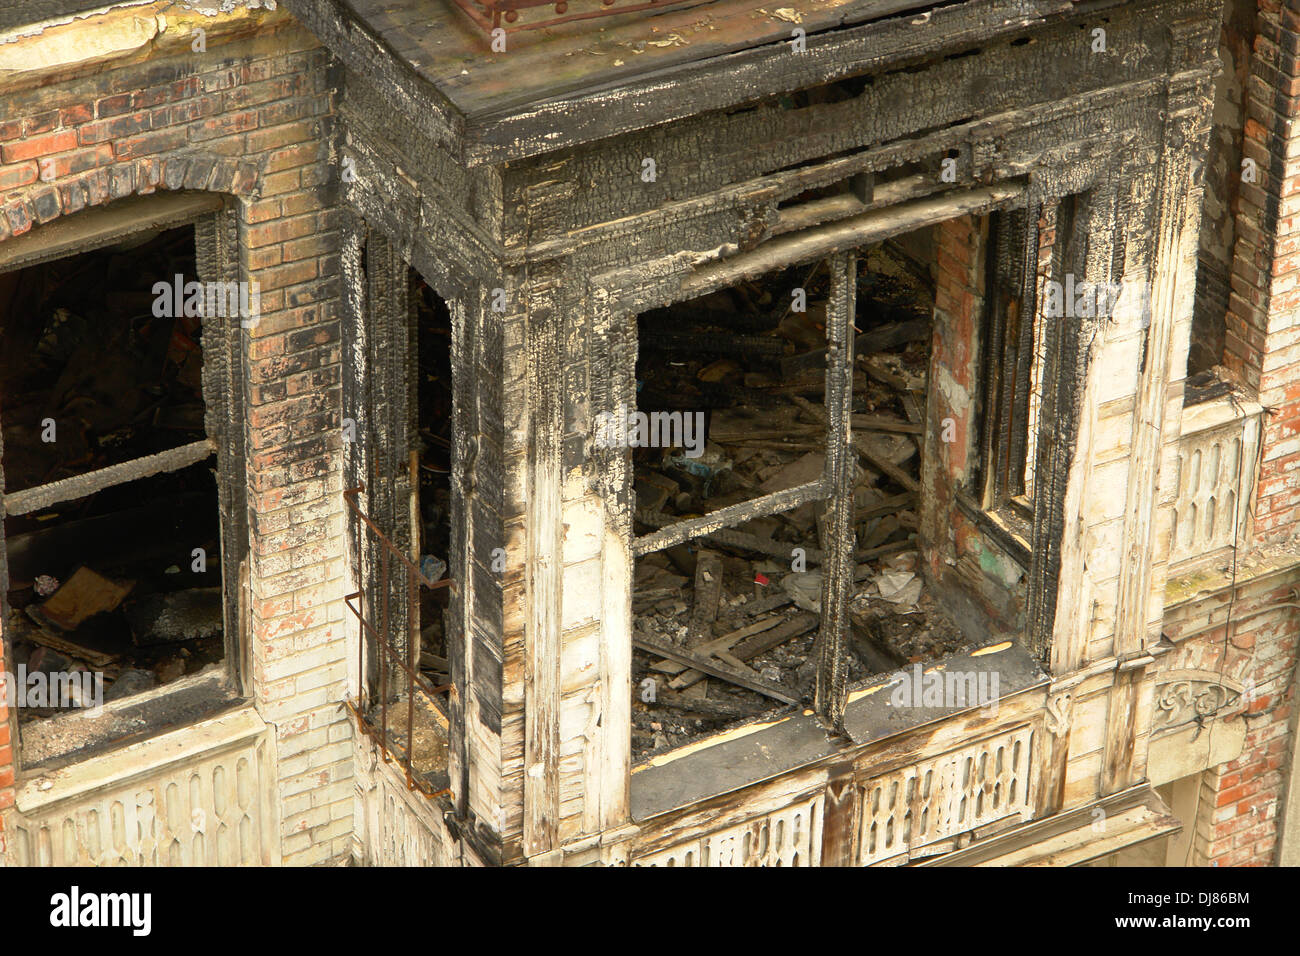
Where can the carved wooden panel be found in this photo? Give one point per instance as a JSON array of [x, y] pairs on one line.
[[209, 811], [410, 832], [926, 802], [790, 836], [1215, 470]]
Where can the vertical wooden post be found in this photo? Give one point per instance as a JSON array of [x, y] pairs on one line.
[[837, 569], [840, 819], [544, 570]]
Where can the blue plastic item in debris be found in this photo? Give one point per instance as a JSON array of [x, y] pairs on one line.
[[433, 568]]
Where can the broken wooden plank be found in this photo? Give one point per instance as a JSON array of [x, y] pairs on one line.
[[719, 643], [878, 423], [757, 644], [889, 506], [761, 545], [881, 464], [681, 531], [885, 376], [874, 340], [820, 241], [712, 668], [95, 657], [708, 592], [764, 604], [706, 706]]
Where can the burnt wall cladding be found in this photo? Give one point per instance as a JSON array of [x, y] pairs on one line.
[[249, 117], [1223, 164], [371, 123], [709, 152]]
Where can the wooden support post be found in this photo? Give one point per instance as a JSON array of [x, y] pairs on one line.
[[837, 565], [840, 820], [542, 664]]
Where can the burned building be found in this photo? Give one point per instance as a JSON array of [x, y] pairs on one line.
[[675, 434]]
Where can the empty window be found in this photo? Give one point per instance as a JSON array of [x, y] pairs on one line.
[[116, 587], [398, 446], [777, 447]]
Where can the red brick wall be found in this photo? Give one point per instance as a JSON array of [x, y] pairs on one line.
[[248, 117], [1241, 799], [954, 354], [1263, 322]]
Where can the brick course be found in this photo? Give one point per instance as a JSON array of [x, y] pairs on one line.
[[1261, 349], [249, 117]]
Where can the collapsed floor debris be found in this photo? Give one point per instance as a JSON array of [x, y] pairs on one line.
[[125, 580], [725, 625]]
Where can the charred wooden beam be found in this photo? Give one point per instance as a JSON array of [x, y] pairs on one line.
[[707, 706], [816, 243], [876, 423], [885, 337], [713, 343], [728, 517], [708, 592], [754, 645], [69, 489], [725, 643], [712, 667], [878, 462]]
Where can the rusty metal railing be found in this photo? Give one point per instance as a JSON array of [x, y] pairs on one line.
[[386, 652]]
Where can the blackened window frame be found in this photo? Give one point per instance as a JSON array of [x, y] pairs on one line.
[[1038, 522], [214, 218], [381, 420]]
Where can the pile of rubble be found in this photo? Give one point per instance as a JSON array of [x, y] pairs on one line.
[[725, 625]]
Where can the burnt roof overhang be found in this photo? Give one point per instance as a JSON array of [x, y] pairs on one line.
[[21, 13], [586, 80]]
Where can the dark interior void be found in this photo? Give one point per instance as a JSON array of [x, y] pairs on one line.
[[125, 581], [750, 367], [1225, 177], [1209, 324], [434, 427]]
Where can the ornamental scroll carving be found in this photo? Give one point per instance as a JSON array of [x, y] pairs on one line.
[[1182, 699]]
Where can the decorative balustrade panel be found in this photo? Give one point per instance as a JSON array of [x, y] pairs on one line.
[[927, 802], [790, 836], [1212, 485], [410, 831], [204, 812]]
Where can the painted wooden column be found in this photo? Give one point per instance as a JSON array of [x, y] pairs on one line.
[[1140, 607], [544, 568]]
